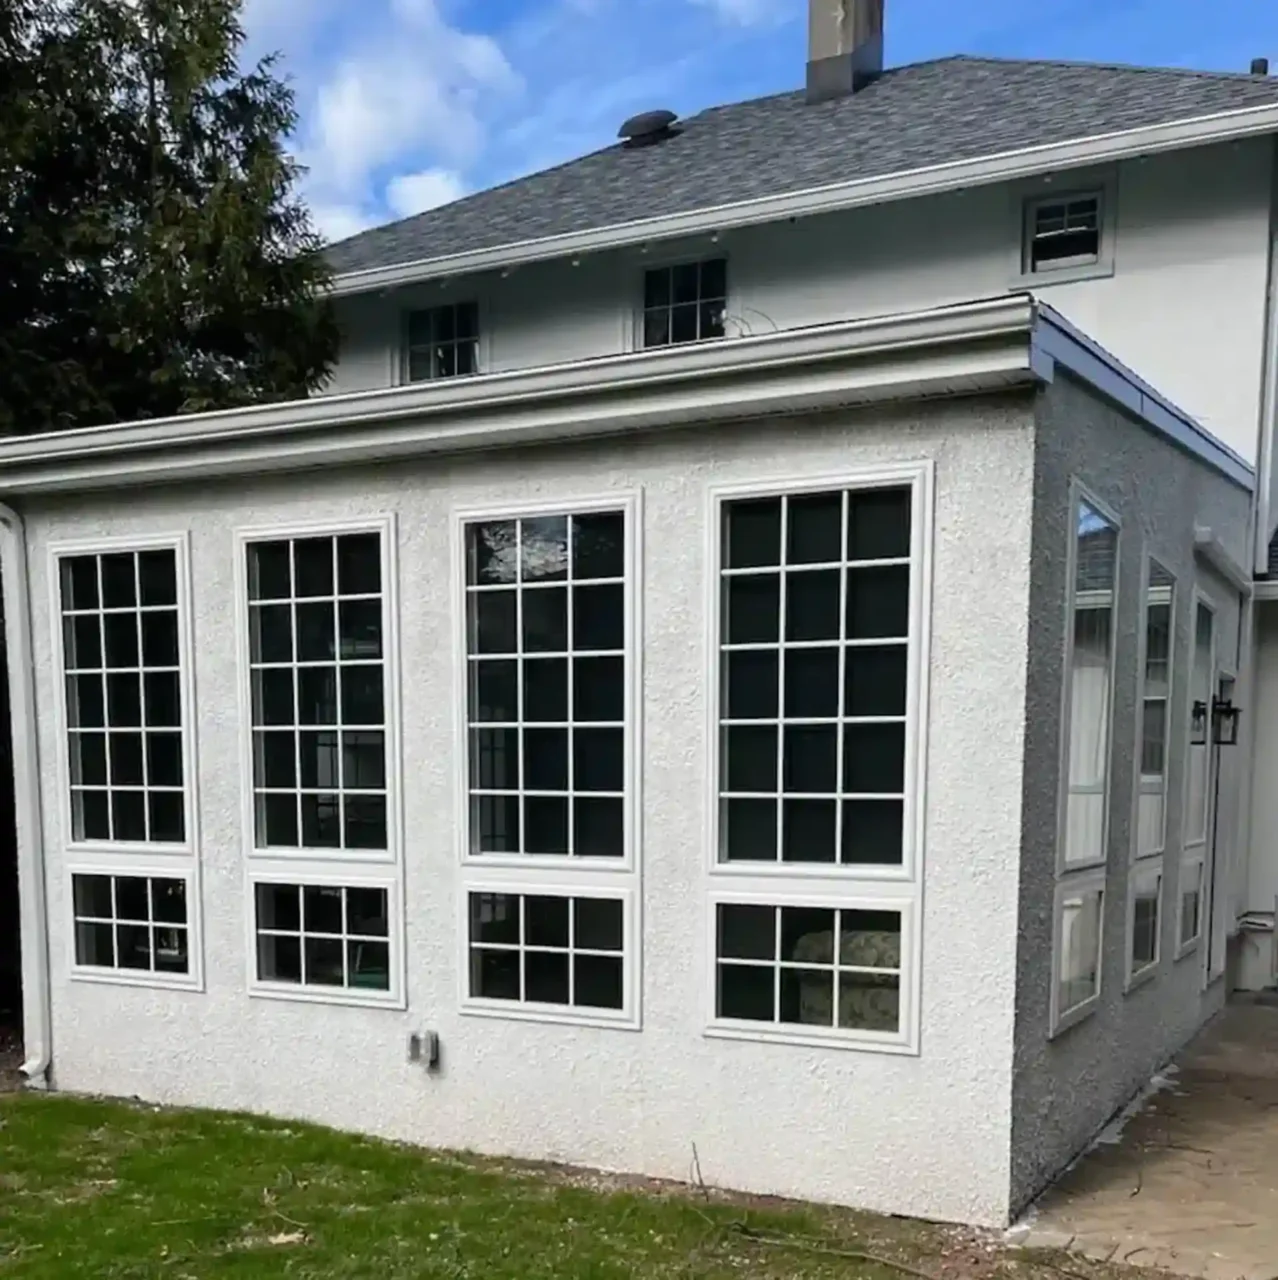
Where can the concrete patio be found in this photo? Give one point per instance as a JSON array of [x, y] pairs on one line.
[[1189, 1183]]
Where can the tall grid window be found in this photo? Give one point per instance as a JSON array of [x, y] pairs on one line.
[[685, 303], [442, 342], [136, 923], [1063, 232], [122, 658], [317, 669], [323, 936], [815, 647], [547, 676], [1199, 770]]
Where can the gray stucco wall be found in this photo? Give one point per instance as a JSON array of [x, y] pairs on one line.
[[1064, 1089]]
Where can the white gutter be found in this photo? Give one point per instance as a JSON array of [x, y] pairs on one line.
[[33, 917], [1223, 126], [1268, 423]]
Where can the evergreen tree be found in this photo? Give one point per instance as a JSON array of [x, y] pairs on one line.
[[154, 257]]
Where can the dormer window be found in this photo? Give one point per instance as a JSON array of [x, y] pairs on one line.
[[442, 342], [1063, 232], [684, 303]]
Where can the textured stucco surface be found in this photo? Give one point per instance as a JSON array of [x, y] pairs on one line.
[[924, 1135], [1066, 1088]]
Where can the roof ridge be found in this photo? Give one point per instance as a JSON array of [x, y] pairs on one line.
[[1201, 73]]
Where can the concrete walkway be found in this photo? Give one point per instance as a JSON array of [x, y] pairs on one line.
[[1189, 1183]]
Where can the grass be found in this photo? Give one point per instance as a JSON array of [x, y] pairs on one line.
[[103, 1189]]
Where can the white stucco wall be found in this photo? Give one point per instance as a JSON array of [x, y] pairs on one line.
[[924, 1134], [1184, 306]]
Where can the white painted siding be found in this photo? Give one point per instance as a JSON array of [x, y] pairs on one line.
[[1184, 307]]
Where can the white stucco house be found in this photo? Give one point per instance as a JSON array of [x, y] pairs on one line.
[[748, 651]]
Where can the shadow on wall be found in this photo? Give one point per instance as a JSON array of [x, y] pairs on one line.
[[10, 951]]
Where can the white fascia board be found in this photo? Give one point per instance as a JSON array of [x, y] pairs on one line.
[[1224, 126], [942, 351], [1208, 547]]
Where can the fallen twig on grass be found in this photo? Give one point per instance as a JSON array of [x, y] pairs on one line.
[[816, 1246]]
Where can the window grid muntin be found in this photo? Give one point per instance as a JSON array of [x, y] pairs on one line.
[[439, 352], [147, 731], [698, 304], [338, 730], [784, 568], [152, 922], [1081, 214], [520, 655]]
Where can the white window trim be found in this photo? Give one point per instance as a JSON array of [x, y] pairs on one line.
[[556, 874], [179, 544], [1152, 865], [560, 884], [1027, 196], [1141, 655], [679, 258], [1193, 851], [428, 302], [1190, 865], [1088, 882], [150, 867], [319, 859], [355, 877], [848, 897]]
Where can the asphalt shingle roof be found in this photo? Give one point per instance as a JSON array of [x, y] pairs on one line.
[[953, 109]]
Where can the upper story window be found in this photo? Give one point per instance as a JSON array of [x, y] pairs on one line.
[[442, 342], [684, 303], [1063, 232]]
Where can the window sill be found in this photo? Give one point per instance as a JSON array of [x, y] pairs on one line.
[[1079, 1013], [332, 995], [814, 1038], [128, 849], [549, 862], [1186, 949], [510, 1011], [127, 978], [1033, 280], [1141, 978], [851, 872], [371, 857]]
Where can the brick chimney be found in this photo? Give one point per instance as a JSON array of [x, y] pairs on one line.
[[845, 46]]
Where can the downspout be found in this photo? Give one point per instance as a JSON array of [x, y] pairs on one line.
[[36, 1003]]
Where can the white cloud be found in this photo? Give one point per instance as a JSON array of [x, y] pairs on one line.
[[337, 221], [411, 193]]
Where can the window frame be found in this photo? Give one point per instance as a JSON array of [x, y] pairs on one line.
[[1028, 197], [179, 544], [554, 874], [1092, 881], [1193, 848], [1150, 866], [667, 262], [173, 868], [483, 350]]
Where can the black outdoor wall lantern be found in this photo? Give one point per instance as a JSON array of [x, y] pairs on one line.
[[1224, 723]]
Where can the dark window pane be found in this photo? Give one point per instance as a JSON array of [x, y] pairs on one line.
[[807, 935], [749, 830], [445, 324], [126, 759], [812, 682], [317, 753], [495, 690], [279, 906], [160, 639], [683, 323], [121, 639], [597, 982], [543, 549], [88, 759], [273, 697], [807, 831], [494, 917], [874, 681], [313, 567], [364, 760], [546, 977], [874, 758], [321, 909], [132, 901], [879, 524], [95, 945], [546, 759], [271, 633], [597, 924], [598, 545], [171, 951], [710, 320], [599, 689], [656, 328], [811, 758], [164, 813], [324, 962], [878, 602], [599, 614], [168, 901], [80, 582], [365, 822], [872, 831], [545, 690], [598, 759], [750, 691], [546, 824], [747, 932], [869, 1001], [545, 921], [752, 533], [685, 280], [750, 758], [163, 701], [321, 822], [494, 975], [316, 632], [362, 701], [279, 959], [92, 896], [815, 529], [128, 815], [492, 622], [85, 708], [369, 965], [546, 620], [92, 814], [495, 824], [366, 912], [870, 939], [656, 287], [157, 575], [269, 573], [597, 827], [807, 997], [492, 552], [752, 609], [359, 624], [467, 320], [133, 946], [746, 992], [277, 822], [276, 763], [359, 564], [119, 587], [83, 643], [812, 605], [714, 278], [317, 694]]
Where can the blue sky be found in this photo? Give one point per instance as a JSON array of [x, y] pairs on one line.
[[406, 104]]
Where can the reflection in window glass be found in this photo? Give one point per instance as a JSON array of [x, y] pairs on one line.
[[1146, 913], [1151, 812], [1079, 978], [1200, 754]]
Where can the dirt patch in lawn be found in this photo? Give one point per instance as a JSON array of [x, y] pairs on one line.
[[10, 1059]]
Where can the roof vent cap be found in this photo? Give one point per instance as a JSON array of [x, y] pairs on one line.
[[648, 127], [1260, 66]]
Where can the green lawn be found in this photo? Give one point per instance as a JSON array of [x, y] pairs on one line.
[[100, 1189]]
